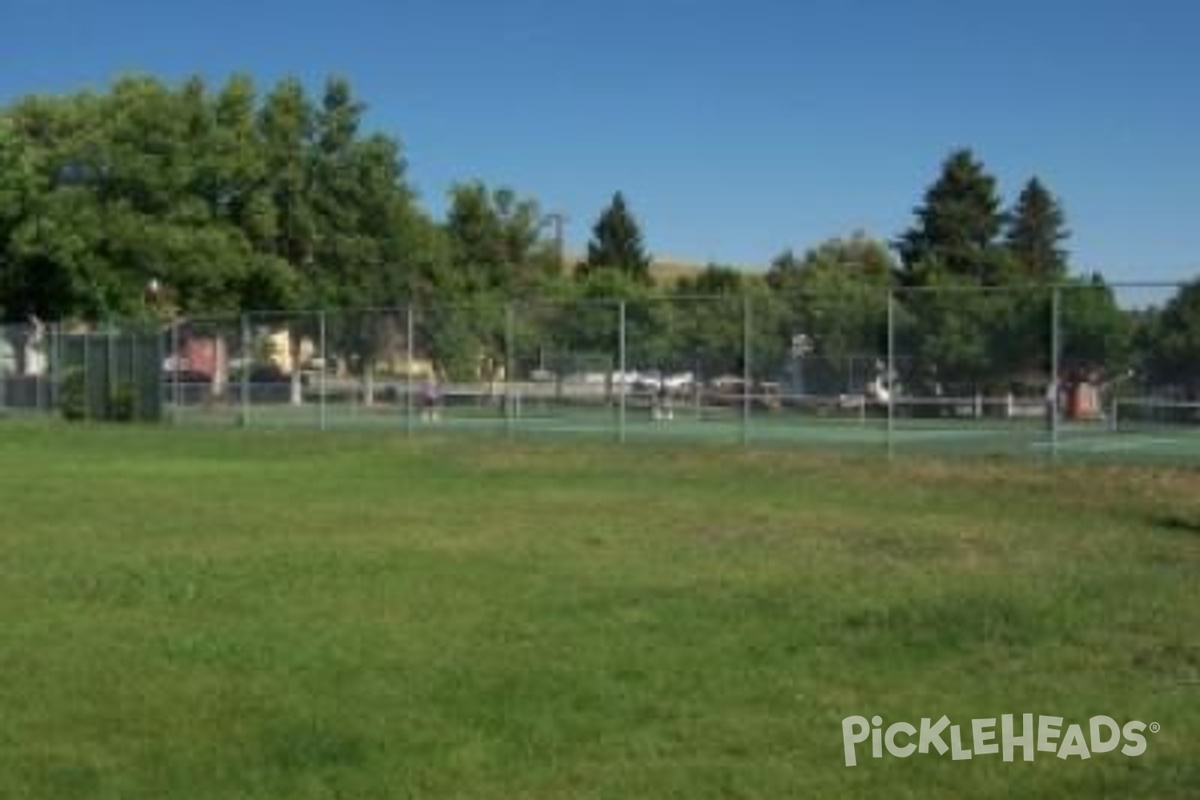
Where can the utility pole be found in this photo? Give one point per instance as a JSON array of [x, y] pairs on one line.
[[559, 221]]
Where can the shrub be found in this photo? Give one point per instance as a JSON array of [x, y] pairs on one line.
[[121, 403], [73, 395]]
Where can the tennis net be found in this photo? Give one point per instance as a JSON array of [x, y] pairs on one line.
[[1150, 414]]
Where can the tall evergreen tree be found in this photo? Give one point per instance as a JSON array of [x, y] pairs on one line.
[[958, 339], [1036, 230], [617, 244], [957, 226]]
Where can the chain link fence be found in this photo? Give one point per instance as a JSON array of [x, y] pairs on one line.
[[27, 383], [82, 371], [1045, 372]]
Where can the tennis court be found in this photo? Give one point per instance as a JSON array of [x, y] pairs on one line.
[[833, 428], [715, 369]]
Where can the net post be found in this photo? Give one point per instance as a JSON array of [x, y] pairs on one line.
[[891, 374], [622, 371]]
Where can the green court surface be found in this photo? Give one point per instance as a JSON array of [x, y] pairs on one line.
[[987, 437]]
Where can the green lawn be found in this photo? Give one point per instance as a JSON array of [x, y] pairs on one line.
[[250, 614]]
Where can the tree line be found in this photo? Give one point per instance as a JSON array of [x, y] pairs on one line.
[[236, 198]]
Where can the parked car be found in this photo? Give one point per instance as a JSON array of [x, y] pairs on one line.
[[268, 373], [731, 391]]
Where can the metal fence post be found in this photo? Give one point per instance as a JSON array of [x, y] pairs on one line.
[[321, 384], [408, 369], [54, 370], [1055, 347], [623, 382], [176, 361], [39, 383], [159, 360], [133, 375], [3, 379], [110, 355], [87, 374], [509, 365], [43, 377], [244, 325], [746, 372], [891, 373]]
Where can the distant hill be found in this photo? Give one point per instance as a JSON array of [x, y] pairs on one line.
[[668, 271]]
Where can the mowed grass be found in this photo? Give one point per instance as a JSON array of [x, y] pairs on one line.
[[224, 614]]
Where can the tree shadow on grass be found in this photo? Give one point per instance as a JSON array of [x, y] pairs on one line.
[[1177, 522]]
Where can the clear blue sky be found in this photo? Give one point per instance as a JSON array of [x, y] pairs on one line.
[[735, 129]]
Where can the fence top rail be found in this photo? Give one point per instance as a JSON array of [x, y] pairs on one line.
[[421, 308]]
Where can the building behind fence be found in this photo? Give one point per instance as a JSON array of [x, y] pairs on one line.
[[1041, 371]]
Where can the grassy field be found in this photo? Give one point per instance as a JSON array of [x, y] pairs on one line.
[[224, 614]]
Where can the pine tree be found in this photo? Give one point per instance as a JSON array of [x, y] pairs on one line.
[[957, 227], [617, 244], [1035, 231]]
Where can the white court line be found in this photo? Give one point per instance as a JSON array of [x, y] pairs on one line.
[[1106, 445], [948, 433]]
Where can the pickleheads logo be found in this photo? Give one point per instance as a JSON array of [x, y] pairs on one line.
[[1028, 735]]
